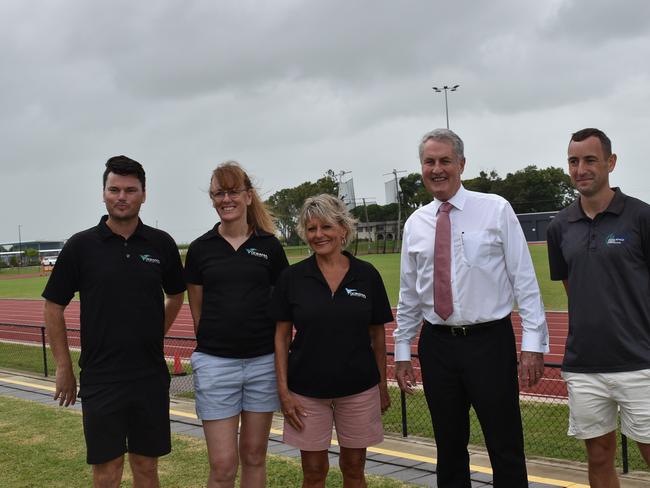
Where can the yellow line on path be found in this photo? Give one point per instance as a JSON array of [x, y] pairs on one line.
[[377, 450]]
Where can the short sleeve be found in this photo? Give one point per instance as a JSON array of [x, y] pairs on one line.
[[557, 265], [279, 261], [280, 304], [193, 274], [173, 281], [381, 310], [64, 280]]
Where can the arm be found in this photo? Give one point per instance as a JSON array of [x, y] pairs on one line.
[[566, 286], [66, 383], [291, 407], [409, 317], [521, 273], [195, 297], [173, 304], [378, 344]]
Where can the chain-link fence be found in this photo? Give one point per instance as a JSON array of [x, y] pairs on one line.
[[544, 408]]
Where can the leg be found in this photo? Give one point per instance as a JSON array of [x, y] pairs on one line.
[[490, 375], [352, 462], [253, 441], [109, 474], [645, 451], [315, 465], [221, 438], [145, 471], [448, 404], [601, 453]]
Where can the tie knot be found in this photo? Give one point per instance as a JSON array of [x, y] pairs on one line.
[[445, 207]]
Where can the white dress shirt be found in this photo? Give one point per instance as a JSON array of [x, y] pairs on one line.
[[491, 268]]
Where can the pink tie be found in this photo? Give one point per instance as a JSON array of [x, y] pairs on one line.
[[443, 303]]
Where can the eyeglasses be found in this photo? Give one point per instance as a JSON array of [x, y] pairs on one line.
[[232, 194]]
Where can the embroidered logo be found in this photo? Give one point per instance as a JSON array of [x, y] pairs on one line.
[[254, 252], [352, 292], [612, 240], [148, 259]]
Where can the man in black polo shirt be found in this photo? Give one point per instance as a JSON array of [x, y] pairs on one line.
[[120, 268], [599, 247]]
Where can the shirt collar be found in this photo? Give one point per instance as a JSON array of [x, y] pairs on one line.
[[105, 231], [457, 201], [313, 270], [575, 212], [214, 233]]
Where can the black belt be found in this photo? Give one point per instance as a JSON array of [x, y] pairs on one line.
[[465, 330]]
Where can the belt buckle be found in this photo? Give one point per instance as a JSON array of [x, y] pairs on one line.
[[459, 330]]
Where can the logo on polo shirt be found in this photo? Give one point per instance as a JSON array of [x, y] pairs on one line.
[[254, 252], [352, 292], [613, 240], [148, 259]]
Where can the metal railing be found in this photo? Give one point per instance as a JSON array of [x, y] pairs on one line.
[[544, 409]]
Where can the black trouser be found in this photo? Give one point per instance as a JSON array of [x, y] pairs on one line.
[[479, 369]]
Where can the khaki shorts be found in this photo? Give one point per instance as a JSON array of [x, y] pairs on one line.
[[357, 419], [596, 398]]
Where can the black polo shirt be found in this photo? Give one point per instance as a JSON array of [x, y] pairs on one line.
[[236, 290], [120, 284], [330, 355], [606, 261]]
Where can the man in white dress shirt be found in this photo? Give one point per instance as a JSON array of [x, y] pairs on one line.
[[467, 347]]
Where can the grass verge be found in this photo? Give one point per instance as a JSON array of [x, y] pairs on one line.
[[44, 446]]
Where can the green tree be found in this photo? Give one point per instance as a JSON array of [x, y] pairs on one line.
[[32, 255], [285, 204], [414, 194], [484, 182], [536, 190]]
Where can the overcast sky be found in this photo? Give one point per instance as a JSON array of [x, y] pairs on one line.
[[293, 88]]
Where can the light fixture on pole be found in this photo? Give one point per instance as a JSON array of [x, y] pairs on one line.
[[446, 89]]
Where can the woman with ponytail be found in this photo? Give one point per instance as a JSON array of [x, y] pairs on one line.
[[230, 272]]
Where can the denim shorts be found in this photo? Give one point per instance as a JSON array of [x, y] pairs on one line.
[[224, 387]]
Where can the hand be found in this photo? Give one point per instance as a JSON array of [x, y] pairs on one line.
[[405, 376], [292, 410], [531, 368], [66, 386], [384, 397]]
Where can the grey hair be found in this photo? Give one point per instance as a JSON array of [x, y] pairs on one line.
[[326, 208], [444, 135]]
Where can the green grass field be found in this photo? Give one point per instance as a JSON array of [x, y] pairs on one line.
[[387, 264], [48, 449]]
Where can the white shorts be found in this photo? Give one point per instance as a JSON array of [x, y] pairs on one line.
[[595, 399]]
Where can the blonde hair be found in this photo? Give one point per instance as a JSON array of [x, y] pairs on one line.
[[229, 175], [326, 208]]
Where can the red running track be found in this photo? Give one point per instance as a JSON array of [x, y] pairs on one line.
[[30, 312]]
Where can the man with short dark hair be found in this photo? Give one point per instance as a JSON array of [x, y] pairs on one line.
[[599, 247], [130, 282], [465, 261]]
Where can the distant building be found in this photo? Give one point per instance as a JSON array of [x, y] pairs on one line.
[[44, 248], [535, 225], [377, 231]]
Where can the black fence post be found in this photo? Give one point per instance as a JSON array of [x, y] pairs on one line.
[[626, 467], [405, 427], [44, 351]]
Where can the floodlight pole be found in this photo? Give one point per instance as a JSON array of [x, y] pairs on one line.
[[446, 88], [20, 248]]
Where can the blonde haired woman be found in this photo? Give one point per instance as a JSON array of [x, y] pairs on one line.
[[334, 371], [230, 272]]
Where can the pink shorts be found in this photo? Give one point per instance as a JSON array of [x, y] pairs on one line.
[[357, 419]]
